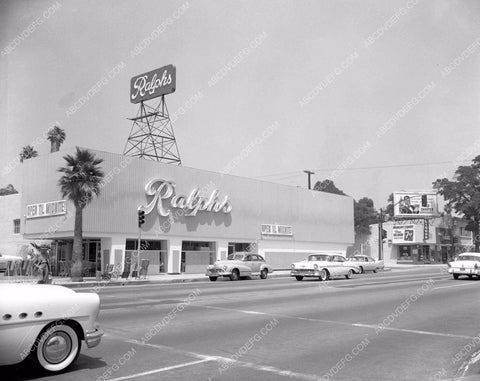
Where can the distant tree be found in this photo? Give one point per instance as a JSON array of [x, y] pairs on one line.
[[389, 210], [80, 182], [56, 135], [9, 189], [462, 195], [327, 186], [364, 215], [27, 152]]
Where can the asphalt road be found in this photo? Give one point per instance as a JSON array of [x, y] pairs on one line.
[[415, 325]]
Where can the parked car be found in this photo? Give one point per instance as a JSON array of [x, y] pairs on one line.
[[323, 266], [238, 265], [366, 263], [4, 259], [465, 264], [45, 325]]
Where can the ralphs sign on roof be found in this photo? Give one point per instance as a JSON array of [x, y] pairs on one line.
[[153, 84]]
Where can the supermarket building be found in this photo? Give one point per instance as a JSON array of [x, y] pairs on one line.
[[192, 217]]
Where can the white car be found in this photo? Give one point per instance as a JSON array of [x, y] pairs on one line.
[[45, 325], [323, 266], [465, 264], [366, 263]]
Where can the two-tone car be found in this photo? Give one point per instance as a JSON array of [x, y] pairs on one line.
[[366, 263], [240, 264], [323, 266], [465, 264], [45, 325]]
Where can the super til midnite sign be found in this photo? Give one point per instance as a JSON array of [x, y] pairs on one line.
[[153, 84]]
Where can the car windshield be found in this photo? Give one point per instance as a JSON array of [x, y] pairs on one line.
[[468, 258], [317, 257], [237, 257]]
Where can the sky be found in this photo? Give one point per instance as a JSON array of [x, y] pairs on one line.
[[378, 96]]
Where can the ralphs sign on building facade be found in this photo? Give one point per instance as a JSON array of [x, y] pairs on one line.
[[153, 84]]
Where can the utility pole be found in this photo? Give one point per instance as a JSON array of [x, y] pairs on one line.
[[380, 236], [309, 173]]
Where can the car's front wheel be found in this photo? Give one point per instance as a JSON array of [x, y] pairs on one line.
[[349, 274], [455, 276], [264, 274], [235, 275], [213, 278], [299, 277], [56, 348]]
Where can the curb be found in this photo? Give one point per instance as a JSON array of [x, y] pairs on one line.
[[102, 284]]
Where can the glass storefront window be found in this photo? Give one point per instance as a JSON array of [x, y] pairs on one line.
[[404, 253]]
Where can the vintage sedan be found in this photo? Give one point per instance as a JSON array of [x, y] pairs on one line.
[[238, 265], [366, 263], [465, 264], [45, 325], [324, 267]]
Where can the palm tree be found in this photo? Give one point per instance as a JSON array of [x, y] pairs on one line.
[[56, 135], [27, 152], [80, 182]]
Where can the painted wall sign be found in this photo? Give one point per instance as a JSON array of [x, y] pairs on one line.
[[163, 193], [273, 229], [47, 209], [153, 84], [403, 233]]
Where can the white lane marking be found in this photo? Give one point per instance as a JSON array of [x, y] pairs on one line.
[[253, 312], [345, 323], [222, 360], [159, 370], [411, 331], [455, 285]]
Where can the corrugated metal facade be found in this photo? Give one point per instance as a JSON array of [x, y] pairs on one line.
[[316, 217]]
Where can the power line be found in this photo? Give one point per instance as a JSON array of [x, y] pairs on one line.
[[299, 172]]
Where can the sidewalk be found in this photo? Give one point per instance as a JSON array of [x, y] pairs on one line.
[[91, 282]]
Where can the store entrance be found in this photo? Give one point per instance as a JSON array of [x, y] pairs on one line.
[[196, 256], [62, 258], [154, 251]]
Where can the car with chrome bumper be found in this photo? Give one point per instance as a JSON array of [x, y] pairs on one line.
[[366, 263], [324, 267], [240, 264], [44, 325], [465, 264]]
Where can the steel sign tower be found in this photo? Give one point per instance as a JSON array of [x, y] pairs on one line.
[[152, 136]]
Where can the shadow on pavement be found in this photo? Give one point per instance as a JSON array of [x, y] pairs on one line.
[[24, 371]]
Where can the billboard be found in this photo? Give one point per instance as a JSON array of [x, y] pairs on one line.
[[153, 84], [415, 204]]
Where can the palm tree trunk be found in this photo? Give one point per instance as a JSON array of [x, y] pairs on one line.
[[77, 267]]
